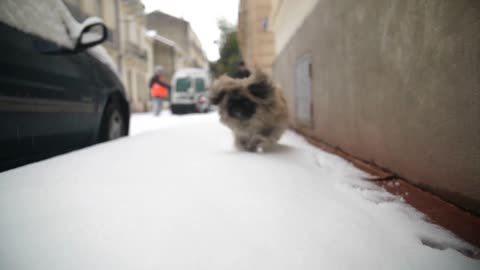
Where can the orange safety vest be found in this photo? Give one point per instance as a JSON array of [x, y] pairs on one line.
[[159, 91]]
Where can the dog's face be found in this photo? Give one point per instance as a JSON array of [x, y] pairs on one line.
[[253, 108], [242, 99], [239, 106]]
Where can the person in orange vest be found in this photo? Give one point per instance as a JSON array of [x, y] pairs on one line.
[[159, 90]]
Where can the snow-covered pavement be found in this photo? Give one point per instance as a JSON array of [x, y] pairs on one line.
[[177, 195]]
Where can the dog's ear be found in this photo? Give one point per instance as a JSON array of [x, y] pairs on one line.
[[261, 86], [216, 98], [217, 92]]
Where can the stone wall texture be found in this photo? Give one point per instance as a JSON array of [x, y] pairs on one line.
[[396, 83]]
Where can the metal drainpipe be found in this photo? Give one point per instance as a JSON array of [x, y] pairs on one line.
[[119, 36]]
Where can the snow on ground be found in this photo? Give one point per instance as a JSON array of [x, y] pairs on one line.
[[177, 195], [146, 122]]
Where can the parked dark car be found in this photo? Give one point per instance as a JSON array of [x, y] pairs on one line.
[[54, 99]]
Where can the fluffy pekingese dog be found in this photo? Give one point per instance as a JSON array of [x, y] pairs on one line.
[[253, 108]]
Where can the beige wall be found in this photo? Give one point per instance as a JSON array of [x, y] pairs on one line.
[[109, 13], [396, 83], [90, 7], [286, 17], [136, 54], [256, 43]]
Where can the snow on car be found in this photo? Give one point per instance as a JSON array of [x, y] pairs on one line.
[[51, 20]]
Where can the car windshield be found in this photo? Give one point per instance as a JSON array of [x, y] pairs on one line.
[[183, 84], [199, 85]]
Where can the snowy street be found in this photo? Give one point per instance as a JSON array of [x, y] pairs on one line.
[[175, 194]]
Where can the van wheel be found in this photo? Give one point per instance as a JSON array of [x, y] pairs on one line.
[[114, 123], [175, 109]]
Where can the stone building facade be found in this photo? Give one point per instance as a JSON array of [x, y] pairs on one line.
[[256, 40], [178, 31], [128, 44]]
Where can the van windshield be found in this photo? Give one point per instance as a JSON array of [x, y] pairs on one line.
[[199, 85], [182, 84]]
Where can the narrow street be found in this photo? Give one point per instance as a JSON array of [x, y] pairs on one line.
[[175, 194]]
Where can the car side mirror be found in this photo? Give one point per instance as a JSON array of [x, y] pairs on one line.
[[92, 32]]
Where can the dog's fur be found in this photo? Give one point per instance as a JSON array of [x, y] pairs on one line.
[[253, 108]]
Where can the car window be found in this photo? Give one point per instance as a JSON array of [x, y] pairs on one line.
[[199, 85], [182, 84]]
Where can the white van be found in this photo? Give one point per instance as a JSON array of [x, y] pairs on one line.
[[189, 91]]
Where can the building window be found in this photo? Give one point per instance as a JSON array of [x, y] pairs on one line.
[[265, 24]]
